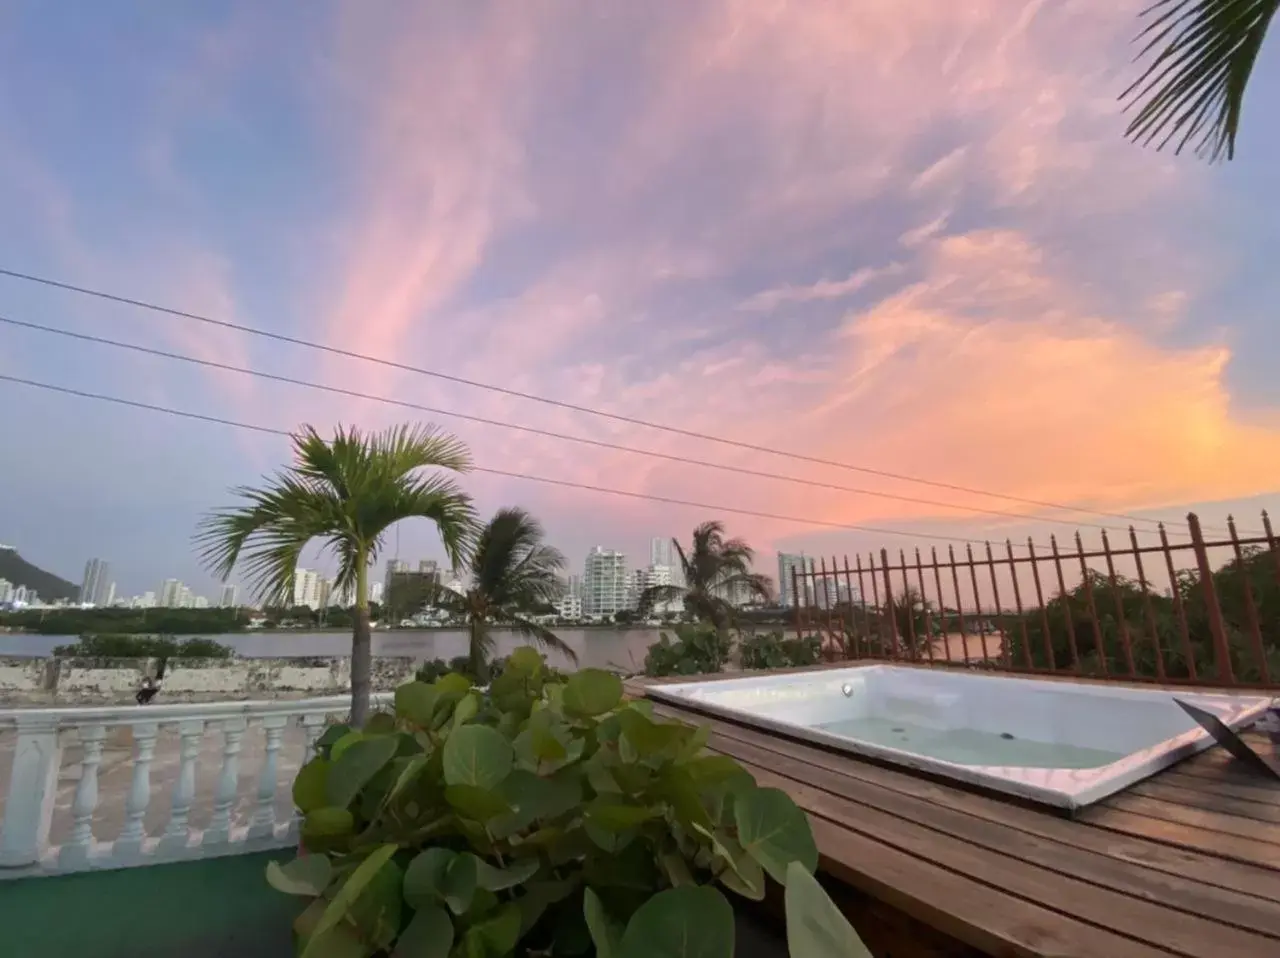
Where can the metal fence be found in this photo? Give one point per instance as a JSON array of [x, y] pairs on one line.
[[1196, 612]]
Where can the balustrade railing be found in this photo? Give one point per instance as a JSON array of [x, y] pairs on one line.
[[57, 819]]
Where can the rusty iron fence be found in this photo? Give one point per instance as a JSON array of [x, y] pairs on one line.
[[1196, 612]]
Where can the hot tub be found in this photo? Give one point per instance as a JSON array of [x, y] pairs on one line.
[[1065, 744]]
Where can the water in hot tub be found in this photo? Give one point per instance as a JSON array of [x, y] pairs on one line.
[[968, 746]]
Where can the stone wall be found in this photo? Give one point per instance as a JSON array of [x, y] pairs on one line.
[[79, 681]]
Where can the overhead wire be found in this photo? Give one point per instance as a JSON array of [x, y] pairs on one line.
[[558, 403], [546, 480], [533, 430]]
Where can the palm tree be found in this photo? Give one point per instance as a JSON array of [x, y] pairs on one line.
[[347, 492], [714, 568], [1192, 91], [512, 572]]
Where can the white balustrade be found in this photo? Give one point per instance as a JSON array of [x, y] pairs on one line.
[[170, 746]]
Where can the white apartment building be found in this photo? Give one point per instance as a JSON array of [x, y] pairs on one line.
[[604, 582], [801, 565], [6, 591], [228, 598], [96, 583], [307, 589], [569, 607]]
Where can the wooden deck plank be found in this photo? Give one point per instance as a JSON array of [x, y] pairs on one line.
[[1235, 774], [1263, 838], [1198, 872], [967, 911], [976, 913], [1079, 884], [1256, 791], [1207, 800]]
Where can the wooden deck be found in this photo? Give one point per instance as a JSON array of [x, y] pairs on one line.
[[1185, 863]]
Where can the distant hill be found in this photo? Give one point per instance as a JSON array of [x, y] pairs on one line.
[[21, 572]]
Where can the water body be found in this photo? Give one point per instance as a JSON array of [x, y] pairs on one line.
[[596, 648], [968, 746]]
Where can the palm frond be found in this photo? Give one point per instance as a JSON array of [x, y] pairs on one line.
[[540, 635], [656, 594], [433, 497], [511, 565], [754, 582], [1192, 90]]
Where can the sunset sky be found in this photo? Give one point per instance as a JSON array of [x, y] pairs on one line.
[[900, 234]]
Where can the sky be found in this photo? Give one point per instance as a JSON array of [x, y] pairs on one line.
[[897, 234]]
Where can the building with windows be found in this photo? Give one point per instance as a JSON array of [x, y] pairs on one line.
[[307, 589], [230, 593], [96, 587], [799, 564], [604, 582]]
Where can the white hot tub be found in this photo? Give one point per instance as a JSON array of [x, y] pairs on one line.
[[1066, 744]]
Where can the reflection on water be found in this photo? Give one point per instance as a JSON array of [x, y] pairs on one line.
[[599, 648]]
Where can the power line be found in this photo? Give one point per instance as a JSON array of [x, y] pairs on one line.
[[533, 430], [564, 483], [558, 403]]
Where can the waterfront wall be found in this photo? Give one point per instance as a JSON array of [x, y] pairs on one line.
[[81, 681]]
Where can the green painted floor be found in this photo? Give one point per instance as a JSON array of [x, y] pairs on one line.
[[204, 909]]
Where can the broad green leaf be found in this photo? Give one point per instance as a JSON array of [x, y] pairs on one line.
[[306, 875], [609, 839], [466, 709], [452, 685], [650, 737], [535, 797], [380, 723], [499, 879], [713, 769], [692, 921], [344, 743], [680, 790], [376, 911], [409, 774], [744, 875], [525, 659], [774, 831], [498, 935], [615, 816], [477, 755], [815, 926], [415, 702], [342, 901], [354, 767], [606, 935], [460, 880], [538, 897], [340, 941], [429, 935], [677, 869], [328, 822], [424, 878], [330, 737], [695, 744], [309, 790], [592, 692], [477, 804]]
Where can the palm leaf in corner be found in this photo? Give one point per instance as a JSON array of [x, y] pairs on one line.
[[1200, 55]]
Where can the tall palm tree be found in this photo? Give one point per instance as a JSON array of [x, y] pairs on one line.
[[714, 568], [512, 571], [347, 492], [1201, 55]]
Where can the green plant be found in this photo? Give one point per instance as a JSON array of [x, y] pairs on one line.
[[512, 571], [348, 492], [143, 647], [697, 650], [434, 669], [773, 650], [540, 818]]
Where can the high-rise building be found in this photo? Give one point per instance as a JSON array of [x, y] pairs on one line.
[[227, 600], [574, 587], [802, 566], [376, 592], [604, 582], [170, 592], [662, 551], [97, 580], [394, 566], [655, 575], [306, 588]]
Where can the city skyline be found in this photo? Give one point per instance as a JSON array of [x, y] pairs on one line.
[[957, 270]]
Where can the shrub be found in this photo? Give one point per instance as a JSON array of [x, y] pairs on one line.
[[434, 669], [144, 647], [537, 818], [697, 650], [772, 650]]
